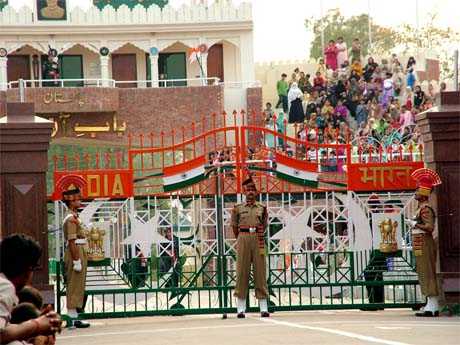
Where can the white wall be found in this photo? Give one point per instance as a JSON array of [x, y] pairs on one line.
[[232, 65], [247, 56]]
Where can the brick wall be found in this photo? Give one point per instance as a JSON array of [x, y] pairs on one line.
[[51, 100], [162, 109], [149, 110], [2, 103], [432, 69], [255, 116]]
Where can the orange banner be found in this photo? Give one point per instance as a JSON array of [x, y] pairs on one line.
[[382, 176], [95, 183]]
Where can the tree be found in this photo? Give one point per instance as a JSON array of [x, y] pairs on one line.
[[335, 25], [3, 3], [429, 38]]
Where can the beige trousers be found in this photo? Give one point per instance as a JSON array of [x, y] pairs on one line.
[[75, 280], [426, 268], [248, 253]]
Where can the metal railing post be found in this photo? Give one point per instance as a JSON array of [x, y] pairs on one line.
[[21, 91]]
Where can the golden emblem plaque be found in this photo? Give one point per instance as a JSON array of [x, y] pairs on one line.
[[95, 244], [388, 243]]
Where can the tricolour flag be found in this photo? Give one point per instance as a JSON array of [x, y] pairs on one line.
[[296, 171], [184, 174]]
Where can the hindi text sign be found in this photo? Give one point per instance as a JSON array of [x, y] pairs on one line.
[[382, 176]]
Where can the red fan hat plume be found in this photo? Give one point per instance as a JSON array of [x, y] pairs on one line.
[[426, 180]]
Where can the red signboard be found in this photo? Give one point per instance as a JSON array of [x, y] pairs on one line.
[[95, 183], [382, 176]]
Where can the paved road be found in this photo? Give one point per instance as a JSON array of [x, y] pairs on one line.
[[391, 327]]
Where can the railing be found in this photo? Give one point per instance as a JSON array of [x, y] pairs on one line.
[[98, 82], [31, 83], [219, 129], [170, 82], [241, 84], [297, 281]]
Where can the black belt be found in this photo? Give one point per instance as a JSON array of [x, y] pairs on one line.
[[254, 229]]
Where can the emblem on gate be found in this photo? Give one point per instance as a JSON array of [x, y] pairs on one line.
[[184, 176], [388, 243], [95, 244]]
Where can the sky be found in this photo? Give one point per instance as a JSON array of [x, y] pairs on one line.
[[279, 29]]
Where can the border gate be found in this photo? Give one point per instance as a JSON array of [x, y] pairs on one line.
[[173, 252]]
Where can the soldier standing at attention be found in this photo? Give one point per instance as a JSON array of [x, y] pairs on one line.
[[249, 221], [422, 240], [75, 258]]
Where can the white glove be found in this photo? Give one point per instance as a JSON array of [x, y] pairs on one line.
[[77, 265], [412, 223]]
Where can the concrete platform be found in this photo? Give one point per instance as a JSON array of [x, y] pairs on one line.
[[392, 327]]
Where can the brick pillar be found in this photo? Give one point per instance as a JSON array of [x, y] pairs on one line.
[[24, 142], [2, 103], [440, 130], [254, 115]]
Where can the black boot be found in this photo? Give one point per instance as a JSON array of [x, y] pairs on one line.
[[427, 314], [80, 324]]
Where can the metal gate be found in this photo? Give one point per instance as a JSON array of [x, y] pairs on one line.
[[174, 253], [177, 255]]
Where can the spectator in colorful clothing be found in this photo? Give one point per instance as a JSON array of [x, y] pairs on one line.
[[410, 63], [419, 98], [355, 50], [388, 90], [342, 51], [318, 82], [362, 112], [282, 89], [369, 69], [406, 119], [357, 68], [410, 78], [341, 110], [330, 53]]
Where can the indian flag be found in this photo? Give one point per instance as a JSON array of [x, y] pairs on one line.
[[296, 171], [184, 174]]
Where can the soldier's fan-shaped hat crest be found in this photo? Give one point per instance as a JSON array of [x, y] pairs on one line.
[[72, 193], [426, 179]]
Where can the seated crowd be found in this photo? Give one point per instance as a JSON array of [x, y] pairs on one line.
[[373, 107]]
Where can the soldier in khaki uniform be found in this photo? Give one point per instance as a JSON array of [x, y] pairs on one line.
[[249, 221], [422, 240], [75, 258]]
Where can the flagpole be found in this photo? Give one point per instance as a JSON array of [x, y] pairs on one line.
[[322, 26], [369, 24]]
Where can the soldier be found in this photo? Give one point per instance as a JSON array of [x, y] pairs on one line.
[[422, 240], [75, 257], [249, 221]]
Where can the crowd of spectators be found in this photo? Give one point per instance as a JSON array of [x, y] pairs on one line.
[[368, 103]]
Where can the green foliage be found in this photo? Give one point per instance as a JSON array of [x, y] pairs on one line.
[[336, 25], [431, 39], [130, 3], [3, 3]]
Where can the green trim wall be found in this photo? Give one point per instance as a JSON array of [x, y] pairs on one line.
[[130, 3]]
